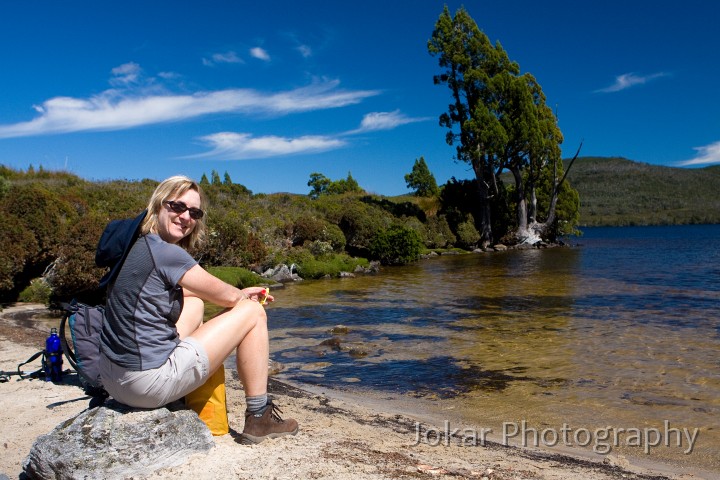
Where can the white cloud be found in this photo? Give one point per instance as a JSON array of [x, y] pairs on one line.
[[226, 57], [384, 121], [260, 54], [627, 80], [709, 154], [242, 146], [120, 109], [125, 74]]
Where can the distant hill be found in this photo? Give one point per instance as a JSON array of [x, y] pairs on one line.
[[617, 191]]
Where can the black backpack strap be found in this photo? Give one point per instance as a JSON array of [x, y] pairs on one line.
[[36, 373]]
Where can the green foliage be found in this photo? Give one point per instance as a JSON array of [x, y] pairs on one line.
[[438, 233], [321, 185], [422, 180], [37, 292], [231, 243], [332, 265], [396, 245], [17, 247], [236, 276], [360, 223], [467, 234], [74, 270], [4, 186]]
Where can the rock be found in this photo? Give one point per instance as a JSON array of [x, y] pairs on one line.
[[617, 461], [115, 441], [282, 273], [333, 343], [275, 367], [347, 275], [358, 352], [499, 247], [339, 330]]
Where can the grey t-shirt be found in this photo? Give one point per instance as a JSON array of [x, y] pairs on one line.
[[139, 331]]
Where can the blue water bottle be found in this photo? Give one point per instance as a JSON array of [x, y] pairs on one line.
[[53, 353]]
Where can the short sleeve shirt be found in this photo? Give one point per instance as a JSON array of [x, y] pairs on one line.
[[144, 304]]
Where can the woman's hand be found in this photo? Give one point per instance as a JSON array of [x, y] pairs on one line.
[[258, 294]]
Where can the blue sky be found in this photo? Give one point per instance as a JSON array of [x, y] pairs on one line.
[[273, 91]]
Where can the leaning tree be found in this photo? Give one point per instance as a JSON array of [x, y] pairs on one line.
[[499, 121]]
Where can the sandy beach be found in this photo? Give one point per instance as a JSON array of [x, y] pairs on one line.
[[341, 436]]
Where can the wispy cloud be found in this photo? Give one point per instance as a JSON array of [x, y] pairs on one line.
[[304, 50], [225, 57], [707, 155], [384, 121], [126, 74], [243, 146], [260, 54], [627, 80], [118, 109]]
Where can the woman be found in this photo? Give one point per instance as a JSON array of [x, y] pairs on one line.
[[155, 346]]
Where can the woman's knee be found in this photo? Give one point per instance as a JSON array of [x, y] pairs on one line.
[[255, 313]]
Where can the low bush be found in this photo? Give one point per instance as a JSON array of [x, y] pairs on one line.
[[396, 245], [237, 276]]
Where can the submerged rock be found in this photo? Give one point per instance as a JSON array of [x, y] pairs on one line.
[[339, 330], [115, 441]]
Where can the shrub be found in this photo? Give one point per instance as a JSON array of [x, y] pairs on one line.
[[438, 233], [360, 223], [236, 276], [329, 265], [74, 269], [37, 292], [397, 245], [467, 234]]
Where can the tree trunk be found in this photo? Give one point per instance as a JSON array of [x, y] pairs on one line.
[[522, 214], [484, 196], [540, 230]]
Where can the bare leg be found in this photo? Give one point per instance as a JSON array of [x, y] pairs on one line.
[[191, 316], [242, 329]]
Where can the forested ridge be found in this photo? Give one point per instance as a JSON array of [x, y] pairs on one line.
[[617, 191]]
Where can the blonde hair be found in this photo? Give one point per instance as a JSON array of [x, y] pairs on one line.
[[170, 189]]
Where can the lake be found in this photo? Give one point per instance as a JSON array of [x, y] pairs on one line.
[[610, 344]]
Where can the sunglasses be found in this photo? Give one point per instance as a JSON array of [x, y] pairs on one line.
[[180, 208]]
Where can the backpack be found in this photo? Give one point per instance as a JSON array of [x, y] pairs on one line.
[[85, 322]]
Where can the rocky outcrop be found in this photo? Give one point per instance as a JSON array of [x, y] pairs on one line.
[[115, 441], [282, 273]]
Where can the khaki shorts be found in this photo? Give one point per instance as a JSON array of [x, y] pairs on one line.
[[185, 370]]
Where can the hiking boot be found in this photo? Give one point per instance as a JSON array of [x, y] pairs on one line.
[[267, 423]]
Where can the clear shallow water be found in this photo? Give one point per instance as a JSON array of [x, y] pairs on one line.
[[619, 332]]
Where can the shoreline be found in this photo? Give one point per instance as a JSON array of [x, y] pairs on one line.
[[342, 435]]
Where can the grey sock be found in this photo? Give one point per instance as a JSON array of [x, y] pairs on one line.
[[256, 403]]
